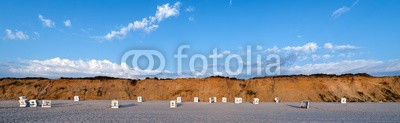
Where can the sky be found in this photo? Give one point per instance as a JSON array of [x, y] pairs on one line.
[[85, 38]]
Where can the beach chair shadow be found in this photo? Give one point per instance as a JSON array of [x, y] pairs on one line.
[[58, 104], [179, 105], [293, 106], [128, 105], [71, 105], [14, 107]]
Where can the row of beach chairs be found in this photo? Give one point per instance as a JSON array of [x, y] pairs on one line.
[[23, 102]]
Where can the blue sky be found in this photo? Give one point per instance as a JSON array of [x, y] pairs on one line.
[[75, 38]]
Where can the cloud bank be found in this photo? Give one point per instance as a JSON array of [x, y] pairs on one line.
[[58, 67], [290, 63]]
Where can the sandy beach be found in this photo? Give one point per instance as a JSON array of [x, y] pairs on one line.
[[159, 111]]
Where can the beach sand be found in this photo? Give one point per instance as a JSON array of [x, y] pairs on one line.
[[159, 111]]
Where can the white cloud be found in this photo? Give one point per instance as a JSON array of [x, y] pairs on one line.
[[275, 49], [139, 24], [144, 25], [191, 19], [258, 47], [326, 56], [354, 3], [328, 46], [345, 47], [310, 47], [226, 52], [216, 55], [18, 35], [338, 12], [151, 28], [220, 55], [299, 36], [315, 57], [58, 67], [36, 34], [46, 22], [166, 11], [307, 48], [332, 47], [323, 57], [67, 23], [334, 67], [147, 24], [190, 9], [391, 67], [348, 66]]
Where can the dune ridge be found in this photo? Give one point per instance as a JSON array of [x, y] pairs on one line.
[[291, 88]]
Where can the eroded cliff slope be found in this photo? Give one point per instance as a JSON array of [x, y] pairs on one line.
[[328, 88]]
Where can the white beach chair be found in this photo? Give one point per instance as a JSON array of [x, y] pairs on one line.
[[343, 100], [22, 103], [32, 103], [256, 101], [224, 99], [139, 99], [46, 103], [276, 99], [76, 98], [172, 104], [305, 104], [238, 100], [114, 104], [179, 100], [211, 100]]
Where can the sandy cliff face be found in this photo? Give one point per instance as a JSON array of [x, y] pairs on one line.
[[328, 88]]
